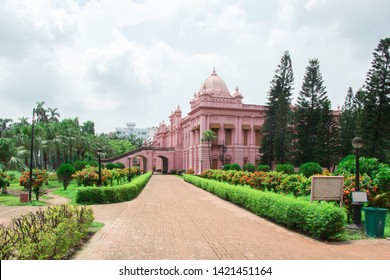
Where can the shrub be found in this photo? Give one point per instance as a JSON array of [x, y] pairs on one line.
[[263, 167], [48, 234], [52, 176], [382, 179], [310, 168], [369, 166], [235, 166], [104, 195], [173, 172], [120, 165], [227, 167], [285, 168], [79, 165], [249, 167], [190, 171], [111, 166], [64, 173], [320, 220]]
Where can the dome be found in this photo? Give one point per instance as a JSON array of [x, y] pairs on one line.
[[215, 85]]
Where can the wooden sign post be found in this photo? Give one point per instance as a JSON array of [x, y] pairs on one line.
[[327, 188]]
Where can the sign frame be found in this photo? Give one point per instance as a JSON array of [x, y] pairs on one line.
[[323, 191]]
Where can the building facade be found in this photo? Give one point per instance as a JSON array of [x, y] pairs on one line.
[[146, 134], [213, 107]]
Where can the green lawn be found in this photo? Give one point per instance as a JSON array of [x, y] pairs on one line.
[[11, 200], [70, 192]]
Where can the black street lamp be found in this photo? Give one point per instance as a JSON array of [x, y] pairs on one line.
[[31, 155], [357, 144], [129, 176], [99, 152]]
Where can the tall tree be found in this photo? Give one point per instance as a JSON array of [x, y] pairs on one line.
[[348, 123], [312, 99], [327, 137], [276, 132], [41, 112], [4, 124], [375, 124]]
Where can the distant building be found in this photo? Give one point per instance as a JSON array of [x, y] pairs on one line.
[[146, 134]]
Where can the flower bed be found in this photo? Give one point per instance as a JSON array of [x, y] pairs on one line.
[[104, 195], [46, 235], [320, 220]]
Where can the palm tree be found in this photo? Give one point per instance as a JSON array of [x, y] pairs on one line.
[[4, 125], [54, 116], [41, 112], [209, 136]]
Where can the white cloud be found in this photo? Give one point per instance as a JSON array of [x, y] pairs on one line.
[[117, 61]]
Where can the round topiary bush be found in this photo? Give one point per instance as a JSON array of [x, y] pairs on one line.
[[310, 168], [249, 167], [120, 165], [64, 174], [285, 168], [235, 166], [264, 168], [111, 166]]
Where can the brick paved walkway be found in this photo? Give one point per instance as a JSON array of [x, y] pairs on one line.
[[171, 219]]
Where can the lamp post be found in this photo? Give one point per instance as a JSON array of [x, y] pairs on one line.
[[129, 176], [99, 152], [357, 143], [31, 155]]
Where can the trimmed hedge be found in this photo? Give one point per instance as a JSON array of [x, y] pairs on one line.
[[319, 220], [46, 235], [105, 195]]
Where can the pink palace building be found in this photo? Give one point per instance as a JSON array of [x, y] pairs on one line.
[[178, 145]]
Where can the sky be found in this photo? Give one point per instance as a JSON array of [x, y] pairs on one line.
[[119, 61]]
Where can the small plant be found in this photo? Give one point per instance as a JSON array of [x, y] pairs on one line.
[[120, 165], [285, 168], [190, 171], [39, 176], [4, 181], [64, 173], [235, 166], [310, 168], [173, 172]]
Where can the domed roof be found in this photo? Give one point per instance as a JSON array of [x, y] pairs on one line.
[[215, 85]]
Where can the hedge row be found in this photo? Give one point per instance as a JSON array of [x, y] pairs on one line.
[[320, 220], [46, 235], [105, 195]]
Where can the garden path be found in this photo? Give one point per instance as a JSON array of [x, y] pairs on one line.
[[172, 219]]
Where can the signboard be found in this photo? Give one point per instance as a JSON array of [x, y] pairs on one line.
[[359, 197], [327, 188]]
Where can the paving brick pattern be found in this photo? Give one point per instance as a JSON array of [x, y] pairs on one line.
[[172, 219]]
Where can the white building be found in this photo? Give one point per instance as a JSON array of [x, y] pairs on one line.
[[146, 134]]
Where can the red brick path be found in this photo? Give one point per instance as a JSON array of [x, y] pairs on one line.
[[172, 219]]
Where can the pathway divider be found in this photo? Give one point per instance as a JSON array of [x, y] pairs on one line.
[[321, 220]]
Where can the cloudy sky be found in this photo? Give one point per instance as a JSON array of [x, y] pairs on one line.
[[115, 61]]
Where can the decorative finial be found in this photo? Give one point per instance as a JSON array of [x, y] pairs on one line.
[[214, 73], [204, 86]]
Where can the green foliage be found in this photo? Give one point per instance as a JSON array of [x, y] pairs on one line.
[[323, 220], [263, 167], [285, 168], [120, 165], [278, 115], [249, 167], [382, 179], [368, 166], [79, 165], [173, 171], [46, 235], [375, 118], [235, 166], [310, 168], [111, 166], [64, 173], [104, 195]]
